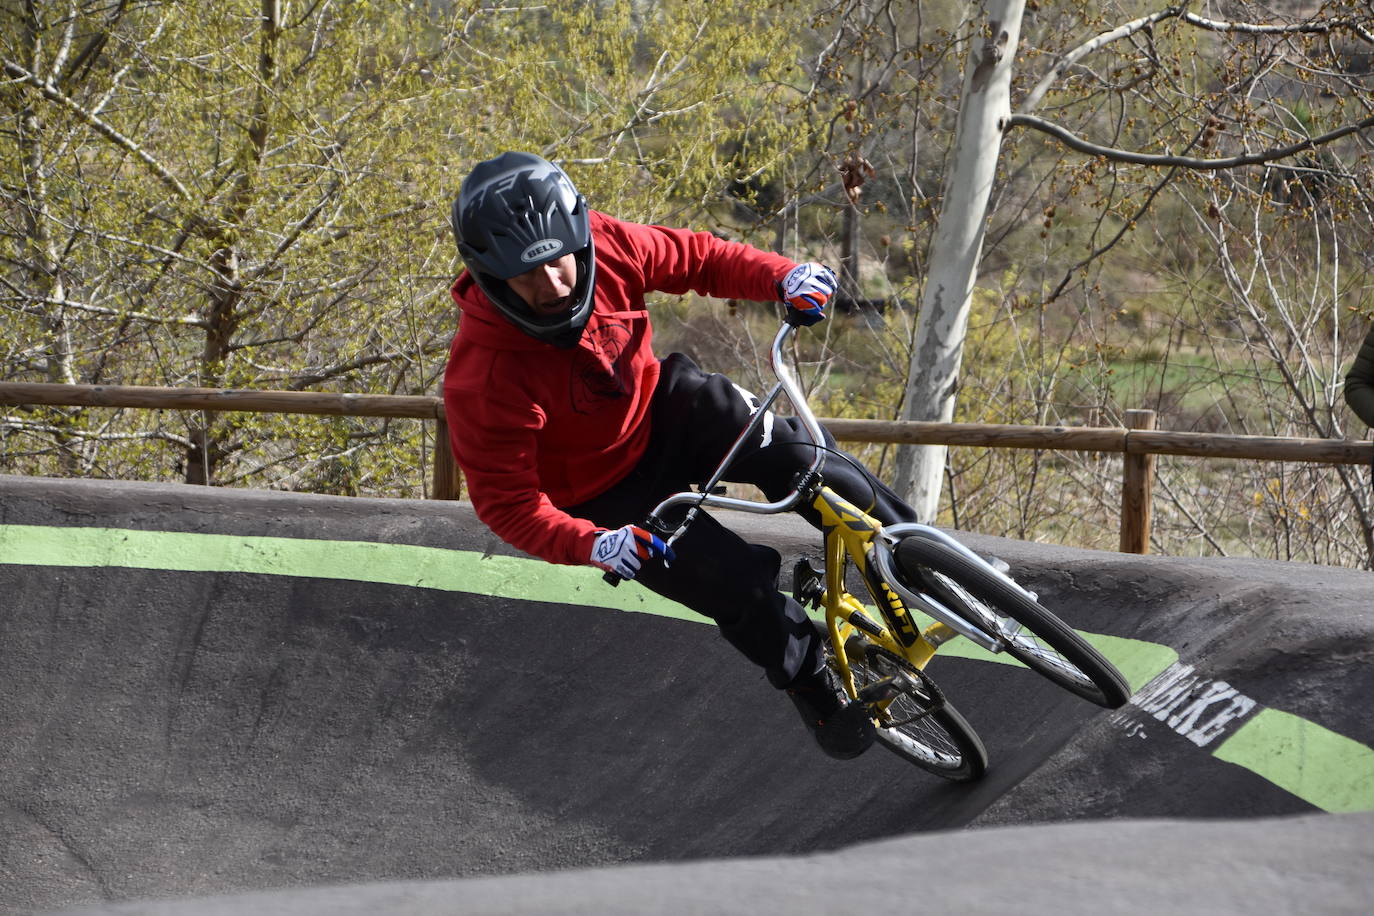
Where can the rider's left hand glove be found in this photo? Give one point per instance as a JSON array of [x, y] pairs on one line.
[[623, 550], [805, 290]]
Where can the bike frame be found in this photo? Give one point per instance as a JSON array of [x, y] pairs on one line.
[[852, 535]]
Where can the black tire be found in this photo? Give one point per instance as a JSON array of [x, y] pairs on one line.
[[919, 725], [1045, 644]]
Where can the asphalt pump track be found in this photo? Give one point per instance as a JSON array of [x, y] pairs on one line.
[[221, 701]]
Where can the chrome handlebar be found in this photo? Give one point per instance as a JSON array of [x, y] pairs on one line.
[[786, 384], [707, 497]]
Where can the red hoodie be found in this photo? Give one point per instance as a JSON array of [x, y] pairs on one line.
[[534, 426]]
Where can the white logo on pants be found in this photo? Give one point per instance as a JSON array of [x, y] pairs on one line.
[[767, 425]]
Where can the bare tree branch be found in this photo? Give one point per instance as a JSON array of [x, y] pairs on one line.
[[53, 94], [1310, 27], [98, 310], [1068, 60], [1074, 142]]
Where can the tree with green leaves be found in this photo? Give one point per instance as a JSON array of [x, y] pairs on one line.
[[255, 194], [207, 196]]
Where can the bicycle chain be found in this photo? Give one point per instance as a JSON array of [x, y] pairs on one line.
[[905, 668]]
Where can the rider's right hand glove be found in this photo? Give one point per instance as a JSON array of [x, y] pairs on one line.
[[623, 550], [805, 290]]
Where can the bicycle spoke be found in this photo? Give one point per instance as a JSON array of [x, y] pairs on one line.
[[1026, 630], [1018, 639], [918, 723]]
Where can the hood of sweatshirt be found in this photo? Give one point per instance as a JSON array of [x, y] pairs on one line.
[[481, 323]]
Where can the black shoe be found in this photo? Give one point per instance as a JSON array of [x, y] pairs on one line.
[[843, 729]]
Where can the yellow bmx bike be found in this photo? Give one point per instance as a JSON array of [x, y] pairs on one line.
[[927, 588]]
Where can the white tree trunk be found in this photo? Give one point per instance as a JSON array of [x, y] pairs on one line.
[[933, 377]]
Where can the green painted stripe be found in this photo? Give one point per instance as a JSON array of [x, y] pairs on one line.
[[1138, 661], [1322, 767], [1314, 763], [357, 561], [467, 571]]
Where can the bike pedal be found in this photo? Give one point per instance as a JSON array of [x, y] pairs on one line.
[[807, 585], [880, 692]]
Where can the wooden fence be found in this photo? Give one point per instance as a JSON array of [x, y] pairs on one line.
[[1138, 441]]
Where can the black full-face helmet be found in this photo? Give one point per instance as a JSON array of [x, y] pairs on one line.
[[514, 213]]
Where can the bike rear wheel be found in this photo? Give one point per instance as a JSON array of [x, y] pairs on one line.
[[919, 724], [1043, 642]]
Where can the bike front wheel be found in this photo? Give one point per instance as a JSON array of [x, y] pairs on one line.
[[1042, 642], [918, 723]]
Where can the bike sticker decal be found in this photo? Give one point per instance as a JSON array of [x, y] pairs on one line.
[[1324, 768]]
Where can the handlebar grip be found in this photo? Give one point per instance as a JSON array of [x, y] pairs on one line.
[[611, 578]]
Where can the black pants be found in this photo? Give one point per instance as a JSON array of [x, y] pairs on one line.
[[695, 418]]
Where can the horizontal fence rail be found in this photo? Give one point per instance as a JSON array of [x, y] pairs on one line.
[[1138, 441], [446, 481], [1105, 439], [223, 399]]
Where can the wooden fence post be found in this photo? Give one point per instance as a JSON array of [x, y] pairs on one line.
[[1137, 487], [448, 479]]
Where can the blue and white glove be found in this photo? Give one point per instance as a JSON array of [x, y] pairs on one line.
[[805, 291], [623, 550]]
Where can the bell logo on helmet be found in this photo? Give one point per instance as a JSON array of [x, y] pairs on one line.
[[540, 250]]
